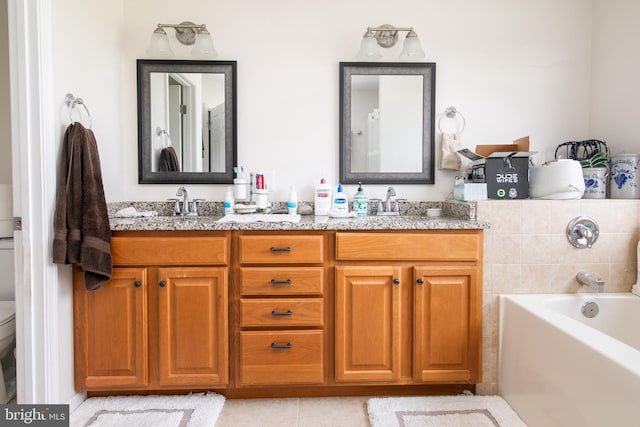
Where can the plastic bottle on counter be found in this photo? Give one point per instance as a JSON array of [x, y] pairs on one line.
[[360, 201], [340, 201], [292, 203], [228, 201], [322, 202]]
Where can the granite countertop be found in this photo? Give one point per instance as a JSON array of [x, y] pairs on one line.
[[456, 216], [310, 222]]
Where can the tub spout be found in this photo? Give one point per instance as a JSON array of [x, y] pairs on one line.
[[586, 279]]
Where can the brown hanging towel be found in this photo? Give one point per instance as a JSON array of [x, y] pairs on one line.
[[81, 221]]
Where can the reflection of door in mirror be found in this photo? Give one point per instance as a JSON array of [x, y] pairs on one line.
[[386, 114], [198, 141]]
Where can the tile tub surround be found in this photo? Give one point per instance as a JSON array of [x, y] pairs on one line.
[[526, 251]]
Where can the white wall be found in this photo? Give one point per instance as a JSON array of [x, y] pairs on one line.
[[87, 44], [512, 68], [5, 118], [615, 105]]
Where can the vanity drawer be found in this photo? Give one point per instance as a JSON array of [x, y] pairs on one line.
[[283, 357], [440, 246], [281, 281], [282, 312], [285, 249], [184, 250]]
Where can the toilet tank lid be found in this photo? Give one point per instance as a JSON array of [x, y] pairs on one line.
[[7, 310]]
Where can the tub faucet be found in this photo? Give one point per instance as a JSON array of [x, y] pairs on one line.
[[586, 279]]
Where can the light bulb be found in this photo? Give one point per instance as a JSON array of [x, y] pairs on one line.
[[369, 47], [411, 50], [203, 48], [159, 45]]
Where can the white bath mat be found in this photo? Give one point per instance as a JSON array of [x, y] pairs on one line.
[[442, 411], [192, 410]]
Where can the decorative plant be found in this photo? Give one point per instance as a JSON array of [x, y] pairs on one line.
[[598, 160]]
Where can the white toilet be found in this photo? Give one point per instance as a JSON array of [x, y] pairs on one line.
[[7, 324]]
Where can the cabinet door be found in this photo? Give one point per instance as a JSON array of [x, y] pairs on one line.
[[111, 331], [447, 324], [192, 322], [367, 323]]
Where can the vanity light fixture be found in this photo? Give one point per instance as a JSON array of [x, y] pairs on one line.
[[386, 36], [188, 34]]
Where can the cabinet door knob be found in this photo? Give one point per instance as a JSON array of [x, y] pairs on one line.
[[286, 346], [396, 281], [420, 281], [162, 284], [137, 283]]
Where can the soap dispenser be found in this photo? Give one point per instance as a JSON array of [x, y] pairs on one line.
[[360, 200], [322, 202], [340, 202]]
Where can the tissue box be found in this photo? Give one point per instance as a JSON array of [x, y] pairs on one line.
[[469, 192]]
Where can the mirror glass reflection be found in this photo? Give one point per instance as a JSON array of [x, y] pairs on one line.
[[386, 120], [186, 121]]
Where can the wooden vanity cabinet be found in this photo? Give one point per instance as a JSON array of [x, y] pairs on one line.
[[281, 324], [161, 321], [408, 307]]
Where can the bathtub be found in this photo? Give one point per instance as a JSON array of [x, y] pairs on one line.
[[559, 368]]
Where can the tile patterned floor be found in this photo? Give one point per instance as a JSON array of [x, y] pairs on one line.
[[295, 412]]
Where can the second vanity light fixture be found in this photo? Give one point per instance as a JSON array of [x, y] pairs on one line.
[[386, 36], [188, 34]]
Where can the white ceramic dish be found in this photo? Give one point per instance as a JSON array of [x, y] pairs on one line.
[[245, 209]]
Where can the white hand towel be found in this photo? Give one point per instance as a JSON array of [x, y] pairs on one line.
[[245, 219], [131, 212], [449, 158], [635, 289]]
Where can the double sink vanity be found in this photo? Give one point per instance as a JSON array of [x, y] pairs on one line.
[[322, 307]]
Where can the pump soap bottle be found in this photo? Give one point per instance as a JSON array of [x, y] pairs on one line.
[[360, 200], [322, 202], [340, 201]]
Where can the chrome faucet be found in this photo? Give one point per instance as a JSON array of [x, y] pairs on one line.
[[387, 203], [185, 202], [586, 279], [389, 207]]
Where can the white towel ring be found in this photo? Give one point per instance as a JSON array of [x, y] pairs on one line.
[[453, 114], [71, 102]]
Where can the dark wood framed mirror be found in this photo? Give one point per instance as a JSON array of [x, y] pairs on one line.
[[186, 121], [387, 122]]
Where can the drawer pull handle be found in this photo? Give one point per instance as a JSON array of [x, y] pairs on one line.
[[420, 281], [137, 283], [286, 346], [282, 313], [285, 249], [162, 284], [280, 282], [396, 281]]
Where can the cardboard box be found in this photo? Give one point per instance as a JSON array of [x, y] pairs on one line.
[[470, 192], [504, 168]]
